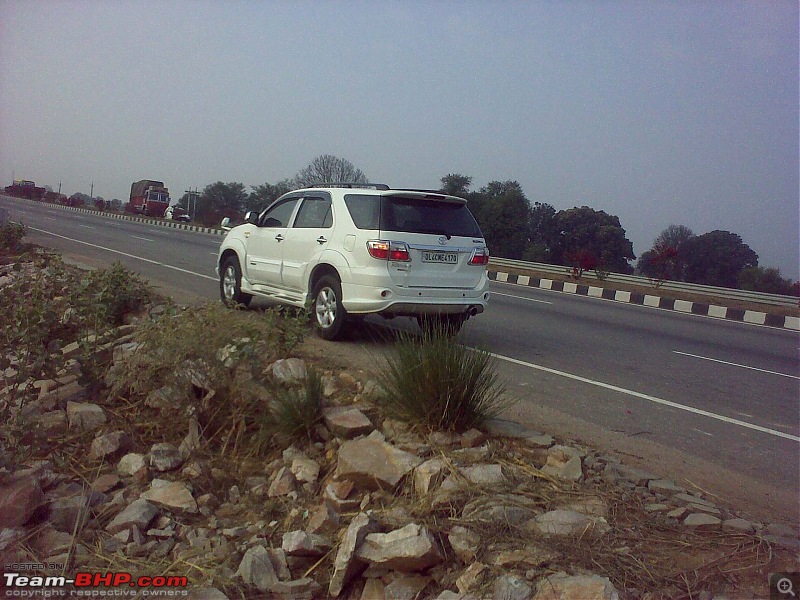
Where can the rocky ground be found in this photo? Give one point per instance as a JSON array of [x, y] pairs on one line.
[[367, 508]]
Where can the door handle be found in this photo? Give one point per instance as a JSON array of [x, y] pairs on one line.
[[279, 237], [321, 239]]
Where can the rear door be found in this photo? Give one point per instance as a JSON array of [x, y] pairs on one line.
[[441, 235]]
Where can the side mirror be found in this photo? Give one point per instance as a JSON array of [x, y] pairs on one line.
[[226, 224], [251, 217]]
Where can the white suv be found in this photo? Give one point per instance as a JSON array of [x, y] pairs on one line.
[[348, 250]]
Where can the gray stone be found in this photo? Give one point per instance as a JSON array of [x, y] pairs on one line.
[[130, 464], [427, 475], [347, 422], [304, 469], [483, 474], [410, 548], [283, 484], [511, 587], [110, 444], [83, 415], [123, 351], [139, 513], [615, 471], [300, 543], [406, 587], [174, 495], [738, 525], [471, 578], [344, 565], [564, 462], [664, 486], [560, 586], [165, 457], [567, 522], [373, 464], [256, 569], [69, 514], [289, 370], [472, 438], [702, 521], [19, 499], [501, 428], [465, 543]]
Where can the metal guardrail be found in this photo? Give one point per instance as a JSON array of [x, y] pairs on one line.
[[676, 286]]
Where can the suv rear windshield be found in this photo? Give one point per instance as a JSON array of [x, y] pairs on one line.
[[411, 215]]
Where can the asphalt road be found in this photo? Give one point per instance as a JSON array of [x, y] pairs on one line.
[[643, 379]]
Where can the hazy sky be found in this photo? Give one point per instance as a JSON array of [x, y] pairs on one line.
[[658, 112]]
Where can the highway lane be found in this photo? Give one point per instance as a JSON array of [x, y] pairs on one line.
[[654, 357]]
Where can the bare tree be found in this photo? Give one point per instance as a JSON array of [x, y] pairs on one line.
[[329, 169]]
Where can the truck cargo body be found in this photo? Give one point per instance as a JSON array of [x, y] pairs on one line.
[[149, 197], [22, 188]]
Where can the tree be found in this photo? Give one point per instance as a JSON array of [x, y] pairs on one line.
[[219, 200], [587, 232], [666, 259], [769, 280], [265, 194], [717, 258], [455, 184], [329, 169], [502, 211], [543, 235]]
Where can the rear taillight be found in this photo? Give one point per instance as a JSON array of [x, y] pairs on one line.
[[383, 250], [480, 256]]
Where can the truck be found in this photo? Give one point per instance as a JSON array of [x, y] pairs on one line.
[[23, 188], [149, 198]]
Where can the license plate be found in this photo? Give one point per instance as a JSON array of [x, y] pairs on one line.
[[450, 258]]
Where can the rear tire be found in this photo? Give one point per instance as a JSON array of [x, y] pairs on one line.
[[328, 313], [230, 283]]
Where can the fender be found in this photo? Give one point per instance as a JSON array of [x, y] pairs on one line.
[[237, 246], [335, 259]]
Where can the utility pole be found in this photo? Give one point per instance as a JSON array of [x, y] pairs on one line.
[[191, 201], [91, 193], [59, 187]]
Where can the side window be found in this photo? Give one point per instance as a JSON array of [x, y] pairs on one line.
[[278, 216], [365, 210], [315, 212]]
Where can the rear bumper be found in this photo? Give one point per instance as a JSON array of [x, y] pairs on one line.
[[392, 301]]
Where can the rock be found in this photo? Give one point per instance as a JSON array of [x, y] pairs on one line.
[[702, 521], [512, 509], [70, 513], [615, 471], [373, 464], [678, 513], [561, 586], [344, 565], [105, 483], [473, 438], [323, 520], [539, 441], [19, 500], [289, 371], [684, 498], [511, 587], [122, 351], [664, 486], [130, 464], [591, 506], [340, 495], [347, 422], [139, 513], [283, 484], [174, 495], [165, 457], [465, 543], [738, 525], [82, 415], [256, 569], [110, 444], [167, 398], [428, 475], [53, 419], [501, 428], [300, 543], [471, 578], [304, 469], [526, 558], [405, 587], [563, 462], [568, 522], [410, 548], [206, 593], [483, 474]]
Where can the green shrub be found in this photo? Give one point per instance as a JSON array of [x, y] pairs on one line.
[[115, 292], [11, 235], [435, 383], [293, 412]]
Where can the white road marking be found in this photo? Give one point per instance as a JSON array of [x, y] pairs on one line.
[[147, 260], [724, 362], [703, 432], [84, 226], [136, 237], [521, 298], [660, 401]]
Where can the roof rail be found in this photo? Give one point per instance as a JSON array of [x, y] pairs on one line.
[[438, 192], [351, 184]]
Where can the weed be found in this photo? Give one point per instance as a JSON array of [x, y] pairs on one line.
[[293, 413], [434, 382], [115, 292], [11, 235]]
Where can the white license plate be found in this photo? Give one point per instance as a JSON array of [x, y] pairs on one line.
[[450, 258]]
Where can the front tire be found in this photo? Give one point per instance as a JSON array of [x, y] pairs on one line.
[[230, 283], [327, 310]]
